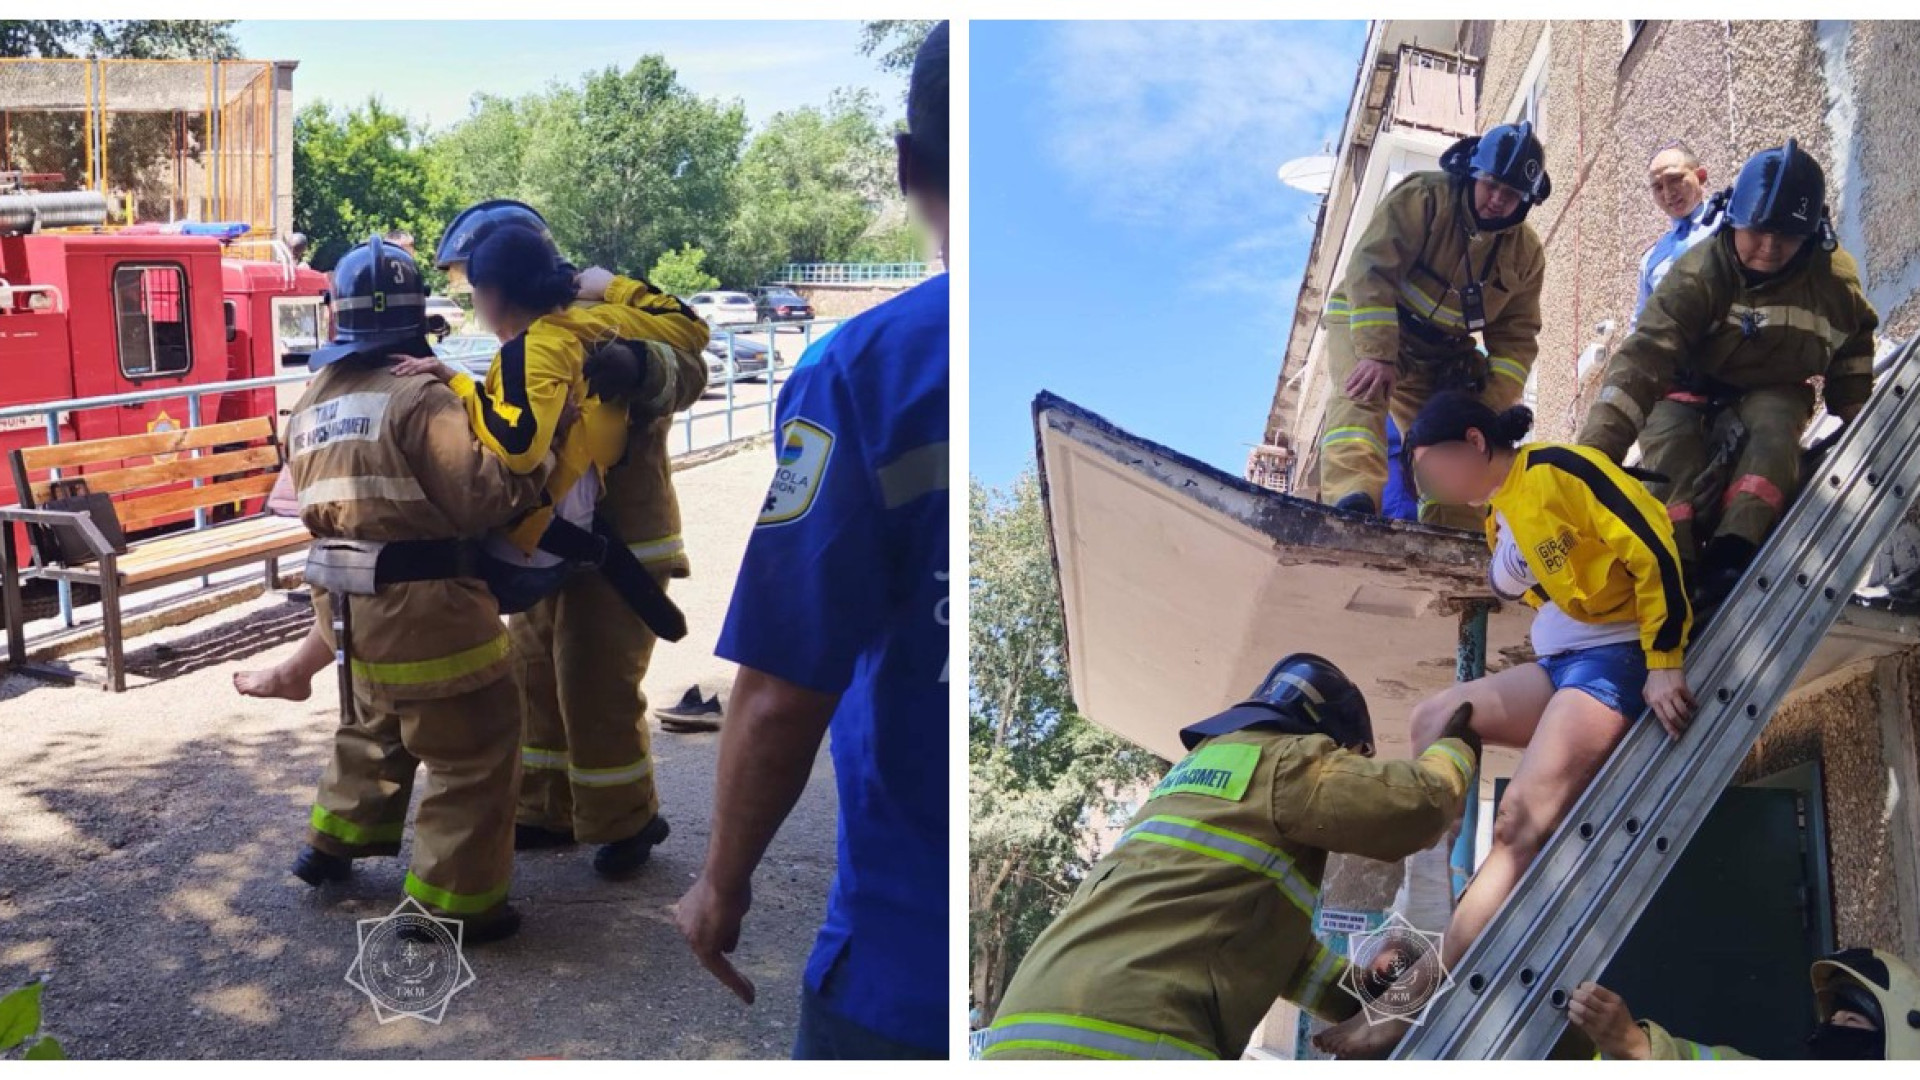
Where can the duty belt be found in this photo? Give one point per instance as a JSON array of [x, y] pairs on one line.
[[402, 561], [1411, 323], [603, 550]]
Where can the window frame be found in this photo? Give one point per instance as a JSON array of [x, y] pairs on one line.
[[186, 320]]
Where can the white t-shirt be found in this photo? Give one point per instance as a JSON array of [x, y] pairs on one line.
[[575, 505], [1554, 631]]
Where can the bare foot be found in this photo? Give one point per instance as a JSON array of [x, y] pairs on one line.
[[273, 682], [1354, 1037]]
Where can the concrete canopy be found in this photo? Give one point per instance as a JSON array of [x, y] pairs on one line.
[[1181, 585]]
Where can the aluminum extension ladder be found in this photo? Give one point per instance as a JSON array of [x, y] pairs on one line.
[[1577, 903]]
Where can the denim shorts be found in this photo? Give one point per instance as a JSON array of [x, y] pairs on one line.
[[1613, 675]]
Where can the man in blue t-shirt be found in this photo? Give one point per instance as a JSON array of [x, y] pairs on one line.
[[839, 622]]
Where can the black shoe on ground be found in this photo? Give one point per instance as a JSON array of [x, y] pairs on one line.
[[535, 837], [316, 867], [692, 706], [503, 924], [623, 857], [1358, 503]]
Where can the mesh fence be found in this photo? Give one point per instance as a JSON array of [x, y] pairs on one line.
[[164, 140]]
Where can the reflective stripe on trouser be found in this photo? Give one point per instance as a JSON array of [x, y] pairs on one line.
[[1353, 447], [1227, 845], [1064, 1035], [463, 830], [656, 552], [580, 655], [1747, 500], [1318, 975]]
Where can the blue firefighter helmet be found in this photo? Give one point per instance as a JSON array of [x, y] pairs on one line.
[[1509, 154], [379, 306], [1780, 190]]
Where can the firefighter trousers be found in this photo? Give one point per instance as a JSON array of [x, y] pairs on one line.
[[587, 758], [463, 831], [1726, 480], [1353, 449]]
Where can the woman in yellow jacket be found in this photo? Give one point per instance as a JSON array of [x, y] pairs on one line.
[[1587, 546]]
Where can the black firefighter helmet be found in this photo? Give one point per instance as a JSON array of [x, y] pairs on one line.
[[1303, 694], [1509, 154], [379, 307], [1782, 190]]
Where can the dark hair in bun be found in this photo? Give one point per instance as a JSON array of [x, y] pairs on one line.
[[524, 267], [1452, 413]]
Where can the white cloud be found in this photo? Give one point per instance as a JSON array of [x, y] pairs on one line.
[[1159, 122]]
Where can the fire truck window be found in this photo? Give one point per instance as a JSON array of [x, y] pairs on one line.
[[298, 329], [150, 318]]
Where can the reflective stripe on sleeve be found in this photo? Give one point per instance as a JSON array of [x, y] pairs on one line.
[[1452, 756], [1624, 404], [656, 551], [1509, 367], [1310, 991], [361, 489]]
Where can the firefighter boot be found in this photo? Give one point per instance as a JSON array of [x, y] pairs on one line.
[[1357, 503], [1726, 558], [316, 867], [536, 837], [503, 922], [623, 857]]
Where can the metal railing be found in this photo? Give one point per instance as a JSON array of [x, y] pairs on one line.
[[52, 414], [849, 273]]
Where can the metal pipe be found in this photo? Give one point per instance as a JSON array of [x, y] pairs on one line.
[[1469, 663], [35, 210]]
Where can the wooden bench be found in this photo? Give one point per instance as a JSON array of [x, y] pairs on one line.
[[147, 477]]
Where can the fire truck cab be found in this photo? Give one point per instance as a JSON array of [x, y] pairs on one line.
[[98, 313]]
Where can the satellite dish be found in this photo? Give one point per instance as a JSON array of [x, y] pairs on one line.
[[1313, 175]]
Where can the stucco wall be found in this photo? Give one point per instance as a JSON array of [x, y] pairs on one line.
[[1845, 91], [1840, 727]]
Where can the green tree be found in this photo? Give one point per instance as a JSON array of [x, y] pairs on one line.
[[1038, 771], [679, 272], [484, 154], [894, 42], [135, 39], [811, 186], [633, 164], [362, 171]]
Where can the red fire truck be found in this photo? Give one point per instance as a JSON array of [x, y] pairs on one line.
[[90, 312]]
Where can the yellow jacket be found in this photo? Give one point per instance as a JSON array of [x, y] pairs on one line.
[[534, 375], [1598, 542]]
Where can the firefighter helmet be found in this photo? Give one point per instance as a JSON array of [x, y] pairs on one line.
[[1303, 694], [476, 221], [1508, 154], [1878, 985], [1780, 190], [379, 306]]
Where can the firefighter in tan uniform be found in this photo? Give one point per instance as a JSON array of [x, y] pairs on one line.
[[393, 485], [1714, 381], [1446, 255], [582, 652], [1181, 937], [1866, 1002]]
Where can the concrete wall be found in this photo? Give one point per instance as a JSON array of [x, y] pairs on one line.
[[1845, 91], [842, 301]]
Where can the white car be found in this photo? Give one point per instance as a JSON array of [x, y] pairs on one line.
[[724, 308]]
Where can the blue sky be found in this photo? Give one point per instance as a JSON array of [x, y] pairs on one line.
[[1131, 248], [429, 70]]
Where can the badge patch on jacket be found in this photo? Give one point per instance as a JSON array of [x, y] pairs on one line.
[[1220, 771], [801, 468]]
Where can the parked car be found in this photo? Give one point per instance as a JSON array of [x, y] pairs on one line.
[[724, 308], [454, 315], [780, 304], [750, 359]]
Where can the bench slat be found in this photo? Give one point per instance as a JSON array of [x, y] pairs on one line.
[[147, 510], [119, 447], [160, 474], [286, 536]]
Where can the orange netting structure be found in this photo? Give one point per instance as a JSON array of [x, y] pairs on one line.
[[163, 140]]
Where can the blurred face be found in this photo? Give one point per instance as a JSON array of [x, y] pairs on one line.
[[1765, 252], [488, 307], [1851, 1019], [1455, 472], [1677, 189], [1493, 200]]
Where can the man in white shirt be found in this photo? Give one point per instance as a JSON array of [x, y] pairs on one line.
[[1679, 184]]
